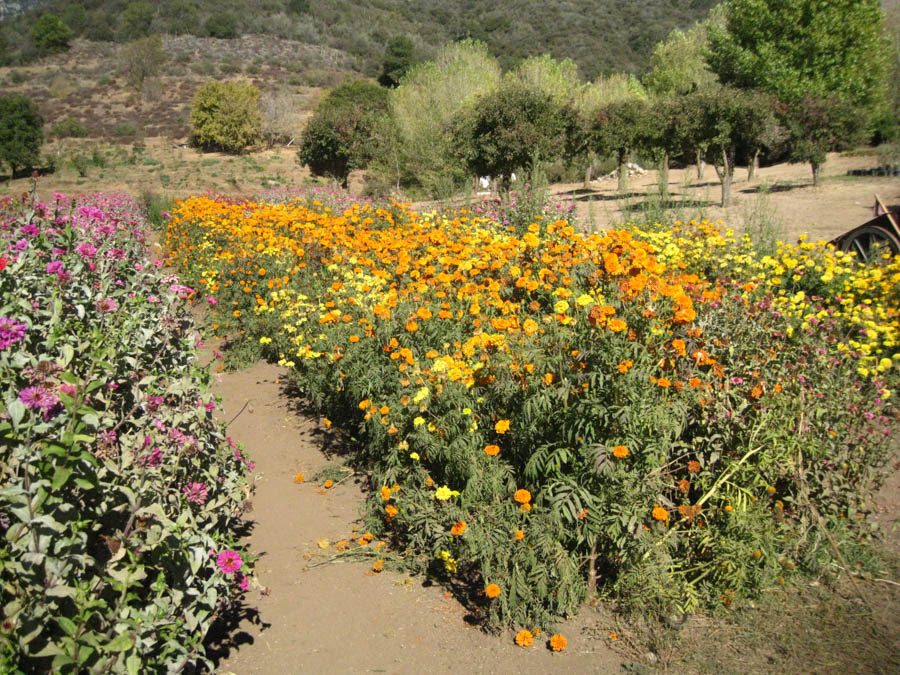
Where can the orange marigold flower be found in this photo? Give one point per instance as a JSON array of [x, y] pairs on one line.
[[328, 484], [492, 450], [384, 410], [391, 510], [354, 339], [492, 591], [624, 366], [684, 485], [558, 643], [664, 382], [326, 422], [412, 326], [299, 478], [524, 638], [777, 388], [364, 404], [659, 513], [385, 493], [522, 496], [502, 426], [519, 535], [378, 565], [525, 508], [694, 466], [617, 325], [458, 528], [694, 382], [423, 313], [620, 451]]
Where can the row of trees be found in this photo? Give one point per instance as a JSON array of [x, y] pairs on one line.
[[735, 87]]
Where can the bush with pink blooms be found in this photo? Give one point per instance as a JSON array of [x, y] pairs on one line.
[[120, 495]]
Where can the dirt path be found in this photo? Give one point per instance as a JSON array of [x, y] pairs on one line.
[[343, 618]]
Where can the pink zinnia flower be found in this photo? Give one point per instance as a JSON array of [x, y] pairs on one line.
[[38, 397], [195, 492], [11, 331], [229, 561], [86, 250], [107, 306]]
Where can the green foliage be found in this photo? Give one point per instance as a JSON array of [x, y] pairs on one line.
[[797, 48], [135, 22], [21, 132], [68, 127], [544, 74], [222, 25], [182, 16], [75, 17], [338, 137], [50, 35], [619, 128], [819, 125], [399, 57], [119, 490], [143, 59], [422, 108], [615, 88], [678, 64], [225, 116], [513, 128]]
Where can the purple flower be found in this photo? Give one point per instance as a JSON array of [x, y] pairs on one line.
[[68, 389], [195, 492], [107, 306], [212, 301], [30, 230], [38, 397], [109, 437], [64, 277], [115, 254], [229, 561], [54, 267], [11, 331], [20, 245], [244, 582], [86, 250], [151, 460]]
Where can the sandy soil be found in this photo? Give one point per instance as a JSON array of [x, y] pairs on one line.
[[838, 204]]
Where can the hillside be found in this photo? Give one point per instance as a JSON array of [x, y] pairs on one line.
[[601, 37]]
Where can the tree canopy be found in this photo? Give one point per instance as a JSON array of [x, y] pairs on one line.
[[21, 132]]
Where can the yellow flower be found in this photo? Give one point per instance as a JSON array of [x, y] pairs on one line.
[[418, 421], [502, 426], [444, 493], [561, 307], [414, 455]]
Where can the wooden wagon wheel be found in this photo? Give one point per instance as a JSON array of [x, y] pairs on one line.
[[868, 242]]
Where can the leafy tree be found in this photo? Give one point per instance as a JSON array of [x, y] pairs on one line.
[[136, 20], [50, 35], [817, 126], [182, 17], [298, 6], [21, 132], [142, 59], [557, 79], [423, 106], [511, 128], [75, 17], [796, 49], [225, 116], [729, 124], [399, 57], [222, 25], [678, 66], [620, 128], [339, 136]]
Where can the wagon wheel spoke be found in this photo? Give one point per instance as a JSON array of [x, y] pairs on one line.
[[862, 252]]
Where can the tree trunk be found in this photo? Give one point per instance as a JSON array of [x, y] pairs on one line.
[[663, 177], [754, 166], [726, 176], [623, 172], [816, 169], [589, 170], [701, 165]]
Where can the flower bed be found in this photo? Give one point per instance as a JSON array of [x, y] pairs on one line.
[[120, 495], [546, 414]]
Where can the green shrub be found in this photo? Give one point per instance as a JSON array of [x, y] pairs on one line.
[[119, 491], [225, 116], [50, 35], [21, 132], [222, 25], [68, 127]]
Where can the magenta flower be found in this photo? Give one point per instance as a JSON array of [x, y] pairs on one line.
[[38, 397], [244, 582], [54, 267], [229, 561], [195, 492], [86, 250], [107, 306], [11, 331]]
